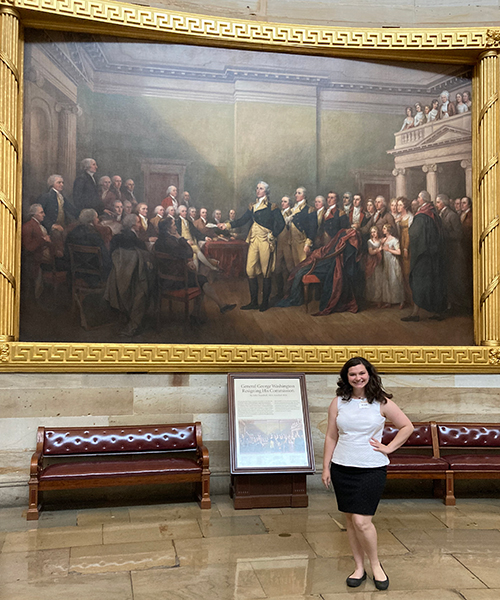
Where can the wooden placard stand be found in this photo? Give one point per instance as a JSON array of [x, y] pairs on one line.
[[270, 440], [275, 490]]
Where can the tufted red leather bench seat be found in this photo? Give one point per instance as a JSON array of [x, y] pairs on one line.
[[426, 465], [119, 455], [479, 444]]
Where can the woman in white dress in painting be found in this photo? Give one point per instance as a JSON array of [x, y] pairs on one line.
[[392, 282], [433, 114], [374, 269], [460, 105], [408, 122], [419, 118]]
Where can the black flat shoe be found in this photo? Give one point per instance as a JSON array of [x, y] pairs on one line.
[[353, 582], [382, 585]]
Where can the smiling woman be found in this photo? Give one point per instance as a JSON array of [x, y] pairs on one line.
[[355, 460]]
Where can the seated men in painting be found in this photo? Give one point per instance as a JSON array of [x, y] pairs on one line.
[[172, 243], [86, 234], [146, 231], [203, 226], [192, 214], [159, 214], [194, 238], [130, 283], [103, 190], [112, 216], [127, 191], [335, 265], [37, 248]]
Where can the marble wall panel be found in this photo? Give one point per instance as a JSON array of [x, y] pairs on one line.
[[20, 434], [192, 398], [61, 402]]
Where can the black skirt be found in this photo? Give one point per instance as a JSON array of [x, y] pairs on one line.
[[358, 490]]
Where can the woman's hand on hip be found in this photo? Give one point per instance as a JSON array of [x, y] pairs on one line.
[[379, 447]]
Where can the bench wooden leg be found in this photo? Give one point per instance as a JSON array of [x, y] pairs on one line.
[[204, 495], [33, 510], [449, 498]]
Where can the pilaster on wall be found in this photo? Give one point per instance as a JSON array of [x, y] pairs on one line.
[[486, 235], [11, 50]]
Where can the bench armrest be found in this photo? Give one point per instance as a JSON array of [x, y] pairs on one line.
[[37, 458], [203, 458]]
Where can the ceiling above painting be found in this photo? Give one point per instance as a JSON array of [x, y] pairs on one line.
[[115, 66]]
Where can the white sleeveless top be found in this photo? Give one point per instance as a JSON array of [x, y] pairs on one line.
[[357, 422]]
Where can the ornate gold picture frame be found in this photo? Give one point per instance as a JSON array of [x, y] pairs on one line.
[[469, 46]]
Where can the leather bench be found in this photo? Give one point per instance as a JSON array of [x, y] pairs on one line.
[[426, 465], [92, 457], [479, 446]]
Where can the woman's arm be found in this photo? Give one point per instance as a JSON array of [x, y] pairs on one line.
[[331, 438], [391, 411]]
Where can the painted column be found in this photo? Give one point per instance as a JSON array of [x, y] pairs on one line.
[[11, 67], [467, 167], [400, 175], [486, 203], [66, 151], [431, 178]]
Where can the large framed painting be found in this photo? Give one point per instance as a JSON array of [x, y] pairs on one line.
[[191, 194]]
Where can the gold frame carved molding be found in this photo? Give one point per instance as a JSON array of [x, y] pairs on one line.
[[153, 358], [472, 46]]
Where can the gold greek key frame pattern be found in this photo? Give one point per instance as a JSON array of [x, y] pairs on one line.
[[154, 20], [21, 356], [453, 45]]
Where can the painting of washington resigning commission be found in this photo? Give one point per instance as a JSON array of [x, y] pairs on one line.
[[182, 194]]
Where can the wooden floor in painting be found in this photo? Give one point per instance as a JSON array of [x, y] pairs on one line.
[[52, 320]]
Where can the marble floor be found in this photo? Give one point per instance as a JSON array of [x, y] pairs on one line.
[[179, 552]]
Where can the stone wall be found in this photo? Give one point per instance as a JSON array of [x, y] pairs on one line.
[[30, 400]]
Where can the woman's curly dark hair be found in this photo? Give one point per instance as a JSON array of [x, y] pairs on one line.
[[374, 390]]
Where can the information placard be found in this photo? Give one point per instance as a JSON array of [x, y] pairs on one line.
[[269, 429]]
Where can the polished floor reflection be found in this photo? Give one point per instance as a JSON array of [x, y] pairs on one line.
[[178, 552]]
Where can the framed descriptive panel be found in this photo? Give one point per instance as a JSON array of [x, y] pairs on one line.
[[300, 154], [269, 429]]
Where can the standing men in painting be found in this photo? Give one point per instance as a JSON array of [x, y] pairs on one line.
[[356, 214], [85, 192], [267, 224], [58, 211], [303, 227], [171, 199], [427, 272], [284, 260], [381, 217], [335, 219], [320, 208], [454, 259]]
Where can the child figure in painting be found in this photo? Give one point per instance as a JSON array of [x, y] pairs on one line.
[[374, 269], [392, 278]]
